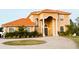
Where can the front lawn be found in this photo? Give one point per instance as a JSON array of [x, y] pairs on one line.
[[75, 39], [24, 42]]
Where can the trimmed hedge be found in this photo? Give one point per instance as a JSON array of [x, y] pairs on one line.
[[62, 33], [23, 34]]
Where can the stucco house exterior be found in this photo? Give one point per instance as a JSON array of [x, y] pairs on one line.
[[47, 22]]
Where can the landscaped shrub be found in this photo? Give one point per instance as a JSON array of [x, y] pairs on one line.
[[62, 33], [9, 35], [22, 34], [35, 33], [39, 35], [25, 35]]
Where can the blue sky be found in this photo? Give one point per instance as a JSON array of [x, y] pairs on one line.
[[7, 15], [74, 13]]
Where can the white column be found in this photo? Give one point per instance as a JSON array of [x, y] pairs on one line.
[[43, 28], [57, 27], [53, 28]]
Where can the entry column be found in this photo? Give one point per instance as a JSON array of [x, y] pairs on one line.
[[53, 28], [43, 28], [57, 27]]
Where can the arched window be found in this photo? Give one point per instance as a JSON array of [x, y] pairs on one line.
[[61, 29]]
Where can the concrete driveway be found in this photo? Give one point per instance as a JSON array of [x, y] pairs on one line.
[[52, 43]]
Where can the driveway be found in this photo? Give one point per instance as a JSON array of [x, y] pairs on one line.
[[52, 43]]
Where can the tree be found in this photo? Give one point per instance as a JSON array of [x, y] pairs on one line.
[[1, 29], [77, 26], [77, 21], [71, 29]]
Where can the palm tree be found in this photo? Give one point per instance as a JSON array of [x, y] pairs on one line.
[[71, 29], [77, 21]]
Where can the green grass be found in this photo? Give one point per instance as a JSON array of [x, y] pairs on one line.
[[75, 39], [24, 42]]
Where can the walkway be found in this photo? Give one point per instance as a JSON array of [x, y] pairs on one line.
[[52, 43]]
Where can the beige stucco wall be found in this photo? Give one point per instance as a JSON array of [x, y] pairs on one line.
[[64, 22], [52, 27], [32, 29], [32, 17]]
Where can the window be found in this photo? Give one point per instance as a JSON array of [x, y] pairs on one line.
[[27, 29], [61, 29], [11, 29], [36, 21], [61, 17]]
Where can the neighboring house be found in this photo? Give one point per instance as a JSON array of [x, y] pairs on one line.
[[47, 22]]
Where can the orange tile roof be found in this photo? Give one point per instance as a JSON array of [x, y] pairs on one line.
[[50, 11], [19, 22]]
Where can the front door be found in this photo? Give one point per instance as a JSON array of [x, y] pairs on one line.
[[46, 31]]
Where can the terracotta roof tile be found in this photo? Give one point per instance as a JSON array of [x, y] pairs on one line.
[[20, 22]]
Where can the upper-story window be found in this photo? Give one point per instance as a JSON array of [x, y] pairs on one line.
[[61, 17]]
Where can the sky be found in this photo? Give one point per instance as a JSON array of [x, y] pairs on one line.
[[14, 9], [7, 15], [74, 14]]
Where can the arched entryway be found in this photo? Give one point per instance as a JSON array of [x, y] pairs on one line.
[[48, 26]]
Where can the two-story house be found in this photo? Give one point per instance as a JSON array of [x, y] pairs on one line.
[[47, 22]]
